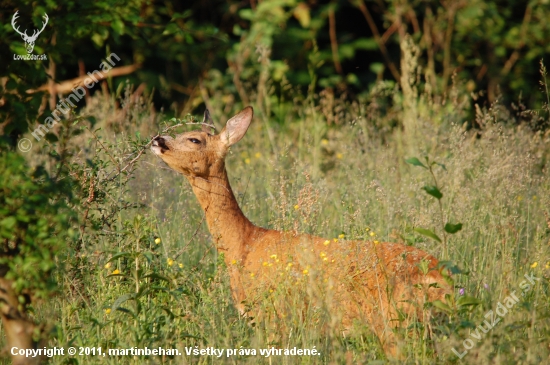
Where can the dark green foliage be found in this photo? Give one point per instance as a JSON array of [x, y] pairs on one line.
[[185, 48], [36, 224]]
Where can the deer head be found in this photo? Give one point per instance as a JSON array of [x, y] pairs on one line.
[[196, 153], [29, 40]]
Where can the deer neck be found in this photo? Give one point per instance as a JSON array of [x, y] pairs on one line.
[[227, 224]]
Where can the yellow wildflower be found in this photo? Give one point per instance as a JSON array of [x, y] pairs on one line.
[[265, 263], [181, 266], [258, 155], [116, 272], [273, 256], [108, 310], [341, 235], [251, 274], [325, 258], [107, 265], [535, 264], [170, 262], [322, 254], [247, 161], [339, 156], [376, 242], [324, 142], [326, 243], [296, 207], [305, 271], [372, 234], [335, 239], [157, 240], [547, 265], [234, 262]]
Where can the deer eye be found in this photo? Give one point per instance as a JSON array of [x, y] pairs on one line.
[[194, 140]]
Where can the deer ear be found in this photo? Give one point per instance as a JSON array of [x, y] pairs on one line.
[[236, 127], [207, 122]]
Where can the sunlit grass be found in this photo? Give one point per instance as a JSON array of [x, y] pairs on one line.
[[171, 288]]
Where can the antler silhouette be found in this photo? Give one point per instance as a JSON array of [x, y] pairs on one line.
[[43, 25], [29, 40], [15, 16], [35, 33]]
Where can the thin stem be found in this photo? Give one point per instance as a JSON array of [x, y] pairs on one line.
[[442, 216], [333, 40], [137, 266], [379, 40]]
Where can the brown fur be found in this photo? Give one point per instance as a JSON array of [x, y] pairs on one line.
[[374, 282]]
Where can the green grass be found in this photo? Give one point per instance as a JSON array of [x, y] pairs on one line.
[[325, 179]]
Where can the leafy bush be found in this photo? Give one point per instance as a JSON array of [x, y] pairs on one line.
[[36, 224]]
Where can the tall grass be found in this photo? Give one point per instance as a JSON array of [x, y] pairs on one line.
[[147, 273]]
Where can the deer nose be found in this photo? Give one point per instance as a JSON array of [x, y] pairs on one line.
[[159, 141]]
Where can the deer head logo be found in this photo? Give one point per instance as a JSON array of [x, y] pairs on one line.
[[29, 40]]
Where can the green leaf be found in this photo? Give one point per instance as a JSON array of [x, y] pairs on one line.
[[468, 300], [440, 305], [301, 12], [415, 162], [118, 26], [376, 67], [148, 255], [157, 276], [433, 191], [119, 255], [97, 39], [121, 300], [453, 228], [427, 233], [366, 43], [126, 310], [8, 222]]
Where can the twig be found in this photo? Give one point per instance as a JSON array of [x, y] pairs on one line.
[[191, 239], [102, 145], [515, 55], [378, 39], [65, 87], [333, 40]]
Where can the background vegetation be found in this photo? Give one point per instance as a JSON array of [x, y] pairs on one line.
[[344, 92]]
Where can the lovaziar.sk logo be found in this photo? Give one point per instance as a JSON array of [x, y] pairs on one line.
[[29, 39]]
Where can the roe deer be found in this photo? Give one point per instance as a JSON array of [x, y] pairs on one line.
[[376, 283]]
